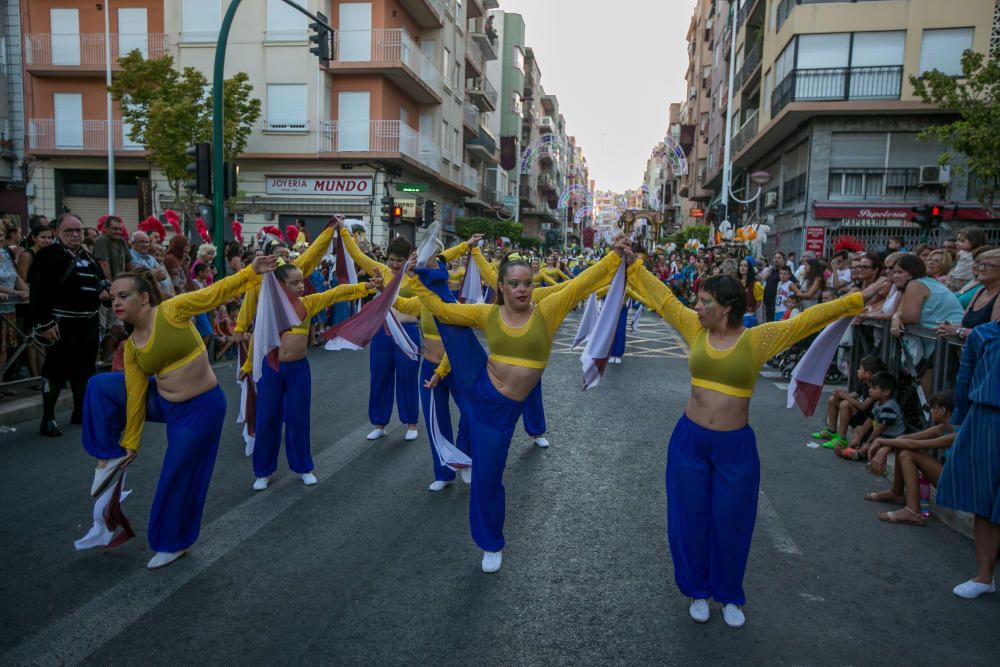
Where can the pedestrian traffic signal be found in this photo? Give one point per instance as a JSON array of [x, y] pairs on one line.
[[231, 173], [388, 209], [430, 212], [200, 169], [321, 37]]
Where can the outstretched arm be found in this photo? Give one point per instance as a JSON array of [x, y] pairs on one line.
[[661, 298], [316, 303], [184, 306], [771, 338], [310, 259], [369, 265], [459, 314], [555, 306], [486, 270]]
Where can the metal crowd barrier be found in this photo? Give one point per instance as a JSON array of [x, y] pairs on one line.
[[24, 341]]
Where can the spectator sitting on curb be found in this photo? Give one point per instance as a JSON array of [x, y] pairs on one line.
[[853, 409], [886, 420]]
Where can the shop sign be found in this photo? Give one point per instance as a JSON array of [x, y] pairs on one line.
[[815, 236], [864, 223], [325, 186]]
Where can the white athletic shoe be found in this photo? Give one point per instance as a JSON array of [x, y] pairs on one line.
[[376, 434], [699, 610], [466, 475], [260, 484], [541, 442], [733, 616], [309, 479], [163, 559], [104, 476], [972, 589], [411, 434], [438, 485], [492, 560]]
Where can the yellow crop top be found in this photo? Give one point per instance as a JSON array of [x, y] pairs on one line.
[[488, 273], [306, 263], [528, 345], [173, 344], [734, 371], [552, 276]]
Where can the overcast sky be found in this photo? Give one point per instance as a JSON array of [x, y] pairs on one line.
[[616, 67]]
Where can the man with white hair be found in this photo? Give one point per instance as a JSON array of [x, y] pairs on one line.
[[141, 257]]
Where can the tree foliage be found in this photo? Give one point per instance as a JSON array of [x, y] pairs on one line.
[[975, 97], [168, 110], [699, 232], [491, 228]]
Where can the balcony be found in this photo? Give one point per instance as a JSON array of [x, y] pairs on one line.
[[47, 135], [483, 146], [483, 94], [546, 183], [476, 9], [751, 64], [378, 139], [838, 84], [893, 184], [748, 9], [487, 43], [746, 133], [84, 53], [470, 178], [546, 125], [426, 13], [470, 119], [473, 60], [391, 53]]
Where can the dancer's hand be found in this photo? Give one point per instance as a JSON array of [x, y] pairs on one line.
[[336, 221], [376, 281], [434, 381], [869, 292], [264, 264], [474, 241]]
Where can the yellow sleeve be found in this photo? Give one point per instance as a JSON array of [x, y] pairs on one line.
[[310, 259], [369, 265], [661, 299], [540, 293], [317, 303], [408, 305], [486, 270], [555, 306], [758, 291], [247, 366], [562, 275], [180, 308], [136, 388], [459, 314], [632, 294], [547, 278], [772, 337], [443, 368], [455, 252], [248, 310]]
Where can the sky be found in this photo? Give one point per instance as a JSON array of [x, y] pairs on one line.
[[616, 67]]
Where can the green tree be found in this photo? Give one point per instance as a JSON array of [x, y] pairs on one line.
[[168, 110], [491, 228], [975, 97]]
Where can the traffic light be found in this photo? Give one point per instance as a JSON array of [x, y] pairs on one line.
[[200, 169], [388, 210], [321, 37], [397, 214], [937, 214], [430, 212], [231, 173], [922, 215]]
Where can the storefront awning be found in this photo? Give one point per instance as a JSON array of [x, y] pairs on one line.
[[894, 212]]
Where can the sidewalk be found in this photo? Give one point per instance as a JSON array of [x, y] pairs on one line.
[[25, 410]]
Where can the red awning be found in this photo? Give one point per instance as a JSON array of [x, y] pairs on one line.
[[894, 211]]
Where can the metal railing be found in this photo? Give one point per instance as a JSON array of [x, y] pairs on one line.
[[385, 45], [79, 135], [87, 49], [470, 115], [485, 139], [474, 54], [378, 136], [470, 178], [482, 86], [895, 184], [838, 83], [750, 63], [747, 131]]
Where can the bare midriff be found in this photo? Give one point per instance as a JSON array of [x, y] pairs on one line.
[[514, 382], [184, 383], [294, 347], [717, 411]]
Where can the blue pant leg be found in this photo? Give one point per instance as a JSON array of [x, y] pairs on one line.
[[104, 413], [270, 406], [297, 381], [382, 364], [735, 487], [534, 413], [464, 442], [689, 510], [440, 393], [618, 344], [193, 432], [407, 379]]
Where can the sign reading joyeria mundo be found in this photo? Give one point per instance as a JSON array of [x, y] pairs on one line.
[[326, 186]]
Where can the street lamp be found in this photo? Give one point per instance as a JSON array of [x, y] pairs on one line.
[[760, 179]]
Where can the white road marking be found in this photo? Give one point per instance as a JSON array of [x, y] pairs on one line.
[[779, 537], [71, 638]]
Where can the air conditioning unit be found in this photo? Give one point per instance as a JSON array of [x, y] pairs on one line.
[[932, 174], [771, 199]]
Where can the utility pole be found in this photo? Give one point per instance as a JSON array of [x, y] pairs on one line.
[[111, 123], [727, 165]]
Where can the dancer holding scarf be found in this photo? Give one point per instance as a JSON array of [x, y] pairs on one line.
[[184, 394], [713, 471]]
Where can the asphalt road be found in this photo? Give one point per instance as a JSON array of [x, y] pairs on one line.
[[369, 568]]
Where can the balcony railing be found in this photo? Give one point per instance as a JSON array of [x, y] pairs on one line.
[[383, 45], [746, 133], [482, 90], [470, 178], [838, 83], [378, 136], [750, 64], [87, 49], [474, 54], [485, 139], [78, 135], [892, 184], [470, 116]]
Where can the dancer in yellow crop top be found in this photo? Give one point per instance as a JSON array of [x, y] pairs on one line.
[[519, 335], [713, 471], [284, 395], [184, 394]]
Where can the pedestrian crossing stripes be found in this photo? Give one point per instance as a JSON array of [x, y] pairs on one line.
[[654, 338]]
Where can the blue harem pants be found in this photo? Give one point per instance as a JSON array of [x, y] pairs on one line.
[[618, 344], [392, 370], [442, 393], [533, 418], [283, 396]]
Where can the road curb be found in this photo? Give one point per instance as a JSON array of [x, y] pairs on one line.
[[960, 522]]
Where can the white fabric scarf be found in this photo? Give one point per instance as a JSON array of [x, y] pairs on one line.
[[448, 454], [809, 374], [472, 285], [275, 314], [587, 322], [595, 355]]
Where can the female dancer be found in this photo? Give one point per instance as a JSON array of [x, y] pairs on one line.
[[713, 472], [184, 394], [552, 274], [285, 395], [519, 335]]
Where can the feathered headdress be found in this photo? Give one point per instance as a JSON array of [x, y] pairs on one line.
[[848, 243], [273, 231], [202, 228], [153, 224], [173, 220], [291, 233], [238, 231]]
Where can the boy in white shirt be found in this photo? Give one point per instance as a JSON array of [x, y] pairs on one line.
[[784, 291]]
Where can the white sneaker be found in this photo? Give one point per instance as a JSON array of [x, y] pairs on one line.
[[104, 476], [541, 442], [466, 475], [438, 485], [163, 559], [733, 616], [309, 479], [260, 484], [376, 434], [699, 610], [492, 560], [972, 589], [411, 434]]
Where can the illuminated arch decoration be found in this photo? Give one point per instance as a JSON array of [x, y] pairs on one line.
[[654, 220], [547, 144], [650, 197], [577, 193], [671, 151], [579, 215]]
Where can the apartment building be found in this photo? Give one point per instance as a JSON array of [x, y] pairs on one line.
[[482, 100], [823, 103], [13, 200], [66, 126], [698, 106]]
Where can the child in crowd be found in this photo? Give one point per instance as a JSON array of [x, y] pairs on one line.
[[828, 295], [852, 410], [792, 303], [912, 458], [784, 291], [886, 420]]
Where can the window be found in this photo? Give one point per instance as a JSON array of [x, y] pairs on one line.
[[286, 107], [284, 23], [404, 116], [68, 108], [446, 139], [200, 20], [456, 146], [133, 31], [353, 122], [446, 70], [822, 51], [518, 59], [785, 63], [65, 36], [794, 165], [516, 103], [942, 50], [354, 41], [456, 75], [877, 49]]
